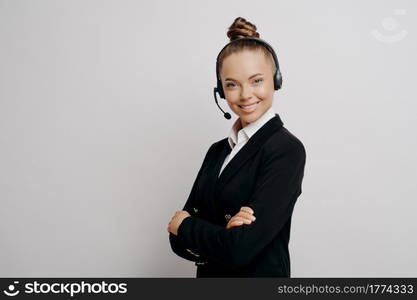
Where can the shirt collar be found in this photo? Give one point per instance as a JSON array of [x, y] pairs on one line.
[[237, 133]]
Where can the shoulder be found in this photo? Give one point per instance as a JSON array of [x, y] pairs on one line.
[[215, 148], [218, 146], [284, 143]]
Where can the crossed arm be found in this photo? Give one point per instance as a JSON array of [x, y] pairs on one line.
[[276, 191], [244, 216]]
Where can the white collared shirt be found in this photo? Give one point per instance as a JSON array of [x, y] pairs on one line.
[[237, 139]]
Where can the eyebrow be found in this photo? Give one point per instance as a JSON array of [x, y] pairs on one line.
[[248, 78]]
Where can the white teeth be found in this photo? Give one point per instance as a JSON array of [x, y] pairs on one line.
[[249, 106]]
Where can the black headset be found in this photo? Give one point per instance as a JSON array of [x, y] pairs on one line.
[[277, 75]]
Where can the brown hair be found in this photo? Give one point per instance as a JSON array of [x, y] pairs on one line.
[[239, 29]]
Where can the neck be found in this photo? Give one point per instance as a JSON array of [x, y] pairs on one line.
[[243, 124]]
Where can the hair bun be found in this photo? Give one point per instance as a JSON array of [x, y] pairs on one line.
[[241, 29]]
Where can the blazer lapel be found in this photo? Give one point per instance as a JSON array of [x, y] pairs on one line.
[[248, 150]]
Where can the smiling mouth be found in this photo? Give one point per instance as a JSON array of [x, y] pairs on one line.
[[249, 106]]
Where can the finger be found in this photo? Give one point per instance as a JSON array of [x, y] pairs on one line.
[[246, 215], [234, 223], [247, 209], [246, 221]]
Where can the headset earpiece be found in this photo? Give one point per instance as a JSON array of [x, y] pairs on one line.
[[277, 80], [220, 89]]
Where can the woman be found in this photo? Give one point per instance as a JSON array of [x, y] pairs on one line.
[[236, 220]]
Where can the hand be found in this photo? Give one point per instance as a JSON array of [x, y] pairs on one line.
[[176, 221], [244, 216]]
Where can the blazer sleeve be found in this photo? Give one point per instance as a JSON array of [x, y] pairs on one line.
[[277, 187], [177, 246]]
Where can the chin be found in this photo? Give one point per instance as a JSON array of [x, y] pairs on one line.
[[250, 119]]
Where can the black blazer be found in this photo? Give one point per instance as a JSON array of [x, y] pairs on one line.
[[266, 175]]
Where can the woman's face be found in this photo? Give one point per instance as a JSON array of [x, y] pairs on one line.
[[247, 79]]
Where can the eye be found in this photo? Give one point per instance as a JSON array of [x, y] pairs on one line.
[[258, 80], [228, 85]]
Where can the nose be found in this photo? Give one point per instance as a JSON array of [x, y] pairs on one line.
[[246, 93]]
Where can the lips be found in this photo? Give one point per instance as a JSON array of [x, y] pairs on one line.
[[250, 107]]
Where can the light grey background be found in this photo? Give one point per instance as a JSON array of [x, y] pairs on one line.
[[106, 112]]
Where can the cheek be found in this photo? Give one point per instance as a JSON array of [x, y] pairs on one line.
[[232, 104], [232, 98], [265, 91]]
